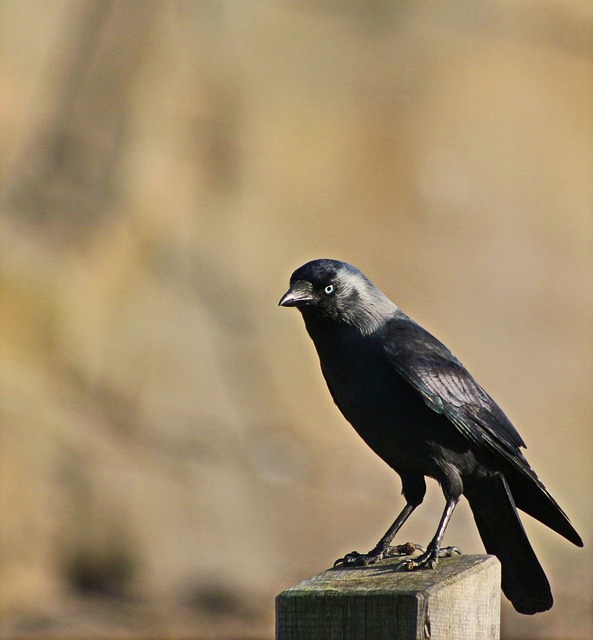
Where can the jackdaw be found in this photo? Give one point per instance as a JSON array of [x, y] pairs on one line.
[[418, 408]]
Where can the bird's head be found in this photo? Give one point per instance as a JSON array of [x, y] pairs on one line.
[[333, 292]]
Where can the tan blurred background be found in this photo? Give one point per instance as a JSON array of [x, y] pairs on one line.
[[170, 456]]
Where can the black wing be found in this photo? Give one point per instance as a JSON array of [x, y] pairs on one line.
[[448, 388]]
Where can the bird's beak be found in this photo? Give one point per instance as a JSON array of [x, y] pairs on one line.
[[300, 294]]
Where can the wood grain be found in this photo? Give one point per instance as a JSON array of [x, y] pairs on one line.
[[459, 600]]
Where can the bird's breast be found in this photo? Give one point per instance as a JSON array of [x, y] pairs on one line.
[[367, 389], [382, 407]]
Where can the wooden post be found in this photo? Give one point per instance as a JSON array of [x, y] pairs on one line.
[[459, 600]]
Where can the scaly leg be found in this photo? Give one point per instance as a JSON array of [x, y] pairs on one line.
[[433, 551], [382, 548]]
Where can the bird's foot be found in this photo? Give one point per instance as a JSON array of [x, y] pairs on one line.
[[355, 559], [429, 558], [406, 549], [382, 550]]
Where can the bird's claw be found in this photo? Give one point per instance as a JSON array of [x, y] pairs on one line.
[[429, 558], [355, 559], [406, 549]]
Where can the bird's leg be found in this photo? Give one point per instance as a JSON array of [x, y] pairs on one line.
[[382, 548], [433, 551]]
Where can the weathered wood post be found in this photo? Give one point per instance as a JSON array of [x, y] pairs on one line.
[[459, 600]]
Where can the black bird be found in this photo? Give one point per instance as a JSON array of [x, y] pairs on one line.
[[420, 410]]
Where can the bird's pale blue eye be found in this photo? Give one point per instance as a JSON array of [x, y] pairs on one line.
[[329, 289]]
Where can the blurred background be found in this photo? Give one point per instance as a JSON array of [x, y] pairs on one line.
[[170, 458]]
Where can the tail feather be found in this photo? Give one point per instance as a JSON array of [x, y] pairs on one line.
[[532, 497], [524, 582]]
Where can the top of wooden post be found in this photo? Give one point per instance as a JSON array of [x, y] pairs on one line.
[[458, 600]]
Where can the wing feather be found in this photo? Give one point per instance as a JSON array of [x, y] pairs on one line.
[[448, 388]]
